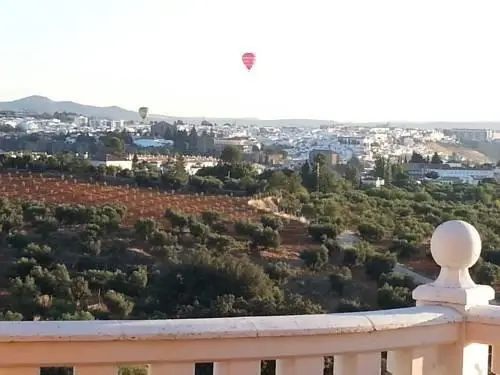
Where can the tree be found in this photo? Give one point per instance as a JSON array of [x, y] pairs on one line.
[[378, 264], [399, 174], [397, 279], [294, 185], [315, 259], [355, 256], [160, 238], [278, 181], [144, 228], [180, 172], [339, 279], [211, 217], [320, 231], [371, 232], [119, 306], [175, 176], [199, 229], [272, 221], [306, 175], [80, 290], [269, 238], [388, 172], [389, 297], [279, 271], [46, 226], [176, 220], [436, 159], [380, 167], [352, 173], [322, 177], [114, 144], [231, 155], [417, 158], [488, 273]]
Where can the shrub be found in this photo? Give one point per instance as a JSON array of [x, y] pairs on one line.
[[247, 228], [210, 217], [351, 305], [339, 279], [376, 264], [396, 279], [355, 256], [317, 231], [404, 249], [315, 259], [333, 246], [279, 271], [371, 232], [271, 221], [389, 297]]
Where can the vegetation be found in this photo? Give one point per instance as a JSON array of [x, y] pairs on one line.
[[140, 202], [219, 261]]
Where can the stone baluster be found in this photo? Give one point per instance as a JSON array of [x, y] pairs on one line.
[[96, 370], [455, 246], [172, 368], [357, 364], [300, 366], [237, 367]]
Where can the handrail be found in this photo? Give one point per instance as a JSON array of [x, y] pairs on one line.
[[240, 327], [487, 314]]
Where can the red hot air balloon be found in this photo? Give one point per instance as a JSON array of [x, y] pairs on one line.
[[248, 59]]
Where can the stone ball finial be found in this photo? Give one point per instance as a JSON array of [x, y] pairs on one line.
[[455, 244]]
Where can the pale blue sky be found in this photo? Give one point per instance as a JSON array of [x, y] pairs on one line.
[[358, 60]]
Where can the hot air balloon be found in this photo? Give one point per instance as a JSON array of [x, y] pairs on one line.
[[248, 59], [143, 112]]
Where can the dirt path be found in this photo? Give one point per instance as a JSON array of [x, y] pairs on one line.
[[294, 235]]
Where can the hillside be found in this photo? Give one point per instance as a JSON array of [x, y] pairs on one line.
[[145, 203], [41, 104], [466, 152], [490, 149]]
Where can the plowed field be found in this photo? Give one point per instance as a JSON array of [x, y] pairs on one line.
[[140, 202]]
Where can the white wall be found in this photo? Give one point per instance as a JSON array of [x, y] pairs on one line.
[[123, 164]]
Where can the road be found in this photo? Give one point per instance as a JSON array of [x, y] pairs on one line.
[[417, 278], [349, 239]]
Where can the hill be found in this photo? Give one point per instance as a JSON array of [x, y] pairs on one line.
[[490, 149], [41, 104], [476, 156], [146, 203]]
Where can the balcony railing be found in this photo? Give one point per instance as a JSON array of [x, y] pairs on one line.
[[448, 333]]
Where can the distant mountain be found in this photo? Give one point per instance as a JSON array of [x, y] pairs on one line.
[[41, 104]]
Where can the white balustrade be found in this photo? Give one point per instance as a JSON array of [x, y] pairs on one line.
[[447, 333]]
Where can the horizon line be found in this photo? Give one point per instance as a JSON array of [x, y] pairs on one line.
[[339, 122]]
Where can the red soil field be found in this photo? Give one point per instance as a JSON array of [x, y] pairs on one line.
[[141, 202]]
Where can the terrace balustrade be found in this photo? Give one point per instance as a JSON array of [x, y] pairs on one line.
[[449, 332]]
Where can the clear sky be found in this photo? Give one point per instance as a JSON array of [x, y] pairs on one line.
[[358, 60]]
